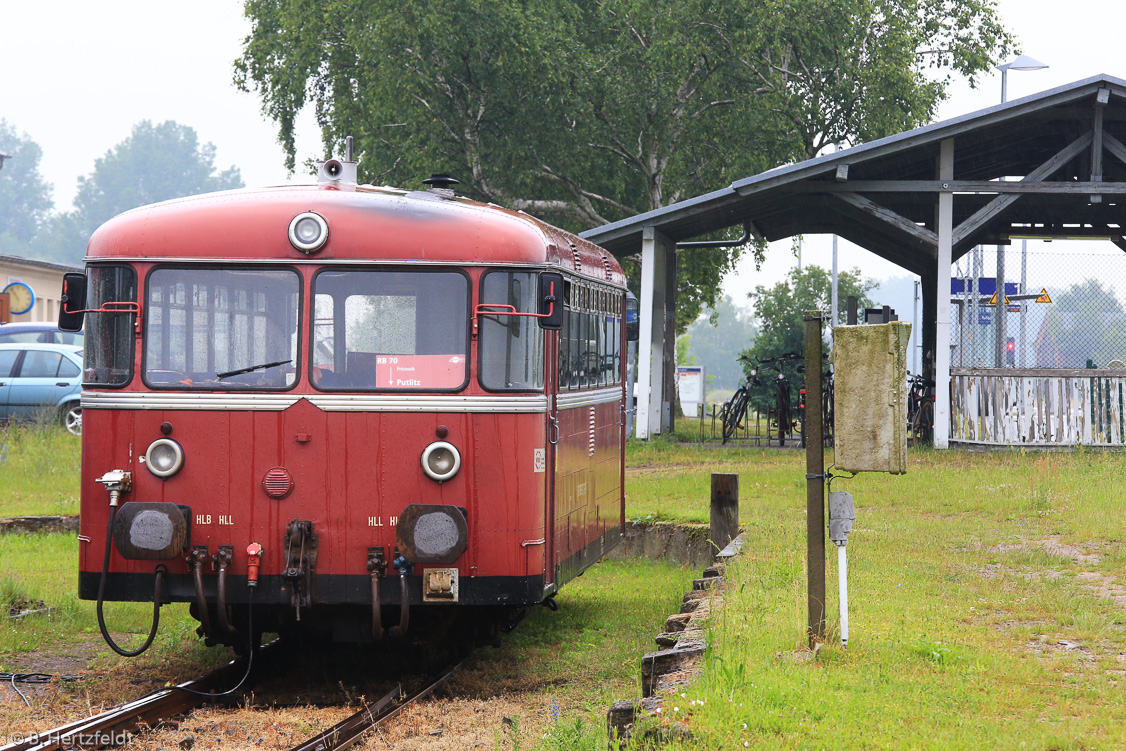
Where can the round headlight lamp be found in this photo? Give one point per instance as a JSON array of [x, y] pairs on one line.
[[308, 232], [164, 457], [441, 461]]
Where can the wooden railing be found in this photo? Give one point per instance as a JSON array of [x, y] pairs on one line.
[[1038, 406]]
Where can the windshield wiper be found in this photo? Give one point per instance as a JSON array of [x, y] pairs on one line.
[[240, 371]]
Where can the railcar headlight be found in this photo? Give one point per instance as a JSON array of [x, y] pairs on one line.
[[441, 461], [308, 232], [432, 534], [164, 457]]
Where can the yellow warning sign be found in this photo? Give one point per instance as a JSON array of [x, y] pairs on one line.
[[993, 300], [1043, 295]]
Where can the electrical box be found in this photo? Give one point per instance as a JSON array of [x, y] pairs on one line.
[[870, 397]]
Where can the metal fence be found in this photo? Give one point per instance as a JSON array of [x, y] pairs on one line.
[[1065, 309], [1046, 366]]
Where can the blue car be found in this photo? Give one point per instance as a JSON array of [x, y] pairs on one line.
[[41, 378]]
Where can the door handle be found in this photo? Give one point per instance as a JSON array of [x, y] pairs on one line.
[[62, 383]]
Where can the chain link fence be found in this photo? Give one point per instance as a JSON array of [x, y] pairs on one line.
[[1066, 309]]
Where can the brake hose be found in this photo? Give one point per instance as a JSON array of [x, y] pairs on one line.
[[156, 597]]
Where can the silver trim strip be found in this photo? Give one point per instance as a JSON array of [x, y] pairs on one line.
[[150, 400], [328, 402], [588, 398], [403, 403]]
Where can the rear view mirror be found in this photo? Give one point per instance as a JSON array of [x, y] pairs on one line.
[[551, 301], [73, 302], [633, 318]]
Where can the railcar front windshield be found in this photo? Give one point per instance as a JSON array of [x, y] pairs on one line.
[[390, 330], [222, 329]]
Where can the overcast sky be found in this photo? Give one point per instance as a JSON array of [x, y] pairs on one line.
[[76, 76]]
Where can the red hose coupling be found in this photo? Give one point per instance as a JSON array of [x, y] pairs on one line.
[[253, 561]]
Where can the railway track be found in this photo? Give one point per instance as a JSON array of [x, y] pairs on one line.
[[114, 727]]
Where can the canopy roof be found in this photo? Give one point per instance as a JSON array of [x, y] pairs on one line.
[[1062, 152]]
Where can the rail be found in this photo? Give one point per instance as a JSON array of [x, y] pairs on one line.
[[91, 732], [111, 725], [1038, 406]]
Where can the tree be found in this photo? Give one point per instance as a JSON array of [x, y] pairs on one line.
[[1086, 322], [25, 197], [716, 339], [155, 163], [779, 313], [586, 112]]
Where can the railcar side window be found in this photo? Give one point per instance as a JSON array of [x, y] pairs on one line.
[[590, 344], [510, 348], [387, 330], [108, 353], [222, 329]]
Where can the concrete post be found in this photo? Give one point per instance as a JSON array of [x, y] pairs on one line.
[[655, 250], [945, 227]]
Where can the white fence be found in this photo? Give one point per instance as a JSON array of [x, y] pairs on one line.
[[1038, 406]]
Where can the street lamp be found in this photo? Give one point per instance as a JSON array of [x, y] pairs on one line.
[[4, 156], [1022, 62]]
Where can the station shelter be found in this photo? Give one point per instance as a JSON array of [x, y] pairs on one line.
[[1050, 165]]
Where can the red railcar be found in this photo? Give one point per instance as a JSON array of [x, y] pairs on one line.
[[413, 403]]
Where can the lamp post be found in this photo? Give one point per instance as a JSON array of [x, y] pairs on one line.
[[4, 156], [1022, 62]]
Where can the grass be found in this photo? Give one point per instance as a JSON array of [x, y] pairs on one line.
[[43, 568], [982, 604], [571, 665], [671, 481], [39, 469]]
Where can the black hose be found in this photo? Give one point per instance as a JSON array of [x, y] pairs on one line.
[[221, 605], [201, 600], [376, 614], [249, 656], [156, 597]]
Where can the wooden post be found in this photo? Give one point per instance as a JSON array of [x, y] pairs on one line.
[[814, 481], [725, 509]]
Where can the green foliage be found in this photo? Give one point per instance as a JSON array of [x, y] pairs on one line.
[[936, 651], [1086, 323], [25, 198], [585, 113], [779, 312], [715, 339], [155, 163]]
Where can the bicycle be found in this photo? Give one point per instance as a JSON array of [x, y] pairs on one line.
[[826, 406], [734, 410], [783, 399], [920, 410]]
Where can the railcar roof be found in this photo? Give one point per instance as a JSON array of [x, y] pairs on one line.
[[365, 224]]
